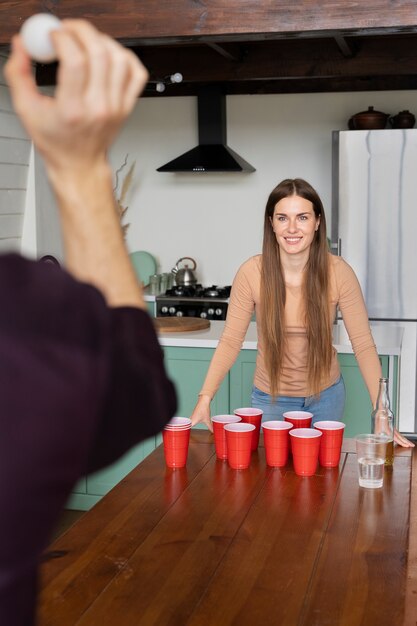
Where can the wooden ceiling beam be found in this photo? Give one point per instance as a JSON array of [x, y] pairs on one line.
[[314, 85], [307, 59], [347, 49], [287, 86], [377, 60], [236, 55], [170, 21], [291, 66], [273, 61]]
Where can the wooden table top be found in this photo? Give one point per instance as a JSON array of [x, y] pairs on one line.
[[208, 545]]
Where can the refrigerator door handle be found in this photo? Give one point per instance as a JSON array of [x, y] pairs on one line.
[[336, 247]]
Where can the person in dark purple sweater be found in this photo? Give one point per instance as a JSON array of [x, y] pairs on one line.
[[82, 376]]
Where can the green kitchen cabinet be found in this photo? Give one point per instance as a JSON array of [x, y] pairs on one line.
[[358, 407], [187, 368], [241, 379], [79, 499]]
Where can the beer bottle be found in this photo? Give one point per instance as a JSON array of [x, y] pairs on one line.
[[382, 420]]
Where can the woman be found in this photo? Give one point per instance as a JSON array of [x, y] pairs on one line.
[[294, 287]]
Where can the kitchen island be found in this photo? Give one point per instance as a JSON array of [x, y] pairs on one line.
[[187, 357]]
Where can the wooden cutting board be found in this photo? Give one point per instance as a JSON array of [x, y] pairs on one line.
[[180, 324]]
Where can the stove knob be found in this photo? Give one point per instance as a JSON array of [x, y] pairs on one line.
[[203, 314], [172, 310], [218, 312], [179, 313], [164, 310], [210, 311]]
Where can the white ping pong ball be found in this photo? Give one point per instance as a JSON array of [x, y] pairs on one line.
[[35, 33]]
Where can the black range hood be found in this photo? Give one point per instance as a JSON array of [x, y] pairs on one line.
[[212, 154]]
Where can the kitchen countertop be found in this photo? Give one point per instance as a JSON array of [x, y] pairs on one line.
[[208, 338], [387, 338]]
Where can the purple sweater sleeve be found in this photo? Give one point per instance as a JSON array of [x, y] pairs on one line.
[[80, 384], [139, 399]]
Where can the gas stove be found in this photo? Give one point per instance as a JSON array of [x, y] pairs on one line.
[[194, 301]]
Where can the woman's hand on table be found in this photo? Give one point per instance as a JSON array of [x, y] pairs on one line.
[[401, 440], [201, 413]]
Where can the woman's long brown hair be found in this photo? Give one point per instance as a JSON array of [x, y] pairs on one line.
[[315, 291]]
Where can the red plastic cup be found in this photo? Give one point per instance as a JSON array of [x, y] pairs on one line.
[[176, 443], [276, 442], [305, 444], [330, 442], [178, 423], [219, 422], [239, 439], [251, 416], [299, 419]]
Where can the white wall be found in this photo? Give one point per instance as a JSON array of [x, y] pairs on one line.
[[218, 218], [48, 228], [14, 159]]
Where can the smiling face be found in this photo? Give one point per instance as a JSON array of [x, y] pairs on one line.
[[294, 224]]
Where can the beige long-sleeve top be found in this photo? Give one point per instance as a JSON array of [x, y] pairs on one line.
[[345, 292]]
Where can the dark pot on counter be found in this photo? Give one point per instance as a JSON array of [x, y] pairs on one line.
[[369, 120], [403, 119]]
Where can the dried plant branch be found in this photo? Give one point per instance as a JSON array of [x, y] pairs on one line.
[[126, 183], [118, 171]]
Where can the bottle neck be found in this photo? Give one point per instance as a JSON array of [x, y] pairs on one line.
[[383, 401]]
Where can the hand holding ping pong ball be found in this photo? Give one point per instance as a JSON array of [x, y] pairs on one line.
[[35, 34]]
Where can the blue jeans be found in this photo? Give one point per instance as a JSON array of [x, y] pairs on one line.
[[329, 405]]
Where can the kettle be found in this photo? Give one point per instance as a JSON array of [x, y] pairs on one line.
[[185, 276]]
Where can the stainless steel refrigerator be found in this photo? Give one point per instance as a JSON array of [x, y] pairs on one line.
[[374, 228]]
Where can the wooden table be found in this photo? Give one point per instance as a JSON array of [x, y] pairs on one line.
[[208, 545]]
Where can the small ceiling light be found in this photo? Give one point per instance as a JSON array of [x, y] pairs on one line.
[[176, 78], [161, 84]]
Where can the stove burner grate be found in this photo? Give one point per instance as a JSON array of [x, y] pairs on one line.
[[198, 291]]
